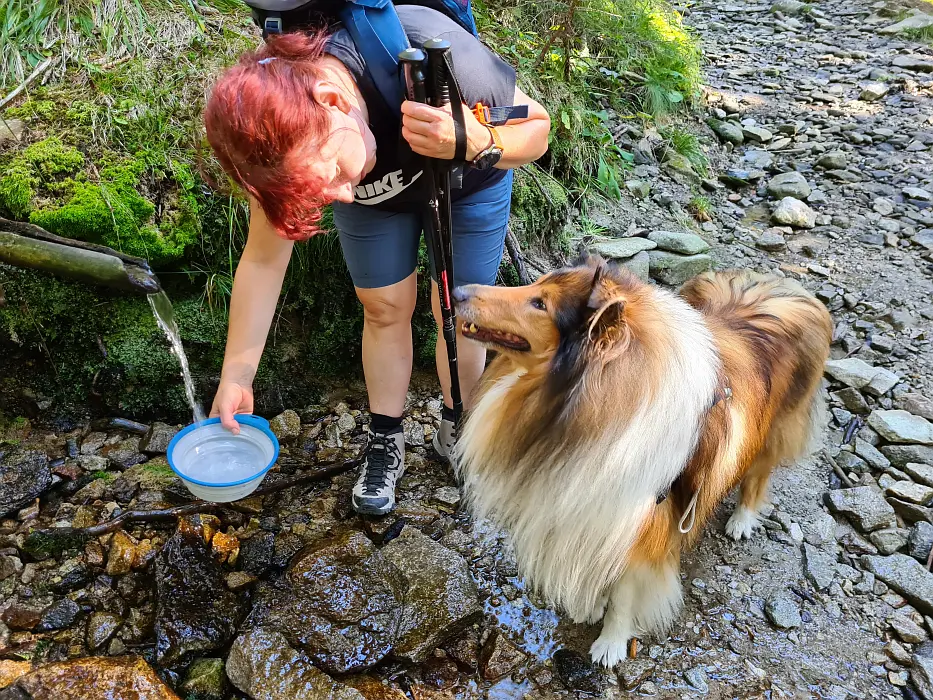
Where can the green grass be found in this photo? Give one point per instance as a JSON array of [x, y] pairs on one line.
[[688, 145]]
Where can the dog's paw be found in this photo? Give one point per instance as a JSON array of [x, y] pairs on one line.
[[742, 524], [608, 651]]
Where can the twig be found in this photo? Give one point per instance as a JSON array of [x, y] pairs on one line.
[[168, 514], [803, 594], [511, 244], [39, 70], [836, 468], [930, 559]]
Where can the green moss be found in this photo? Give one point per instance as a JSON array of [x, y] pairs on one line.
[[16, 191], [540, 205], [33, 108], [50, 158]]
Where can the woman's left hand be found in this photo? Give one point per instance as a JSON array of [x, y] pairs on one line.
[[430, 131]]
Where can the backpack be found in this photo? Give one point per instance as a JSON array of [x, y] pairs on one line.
[[373, 25]]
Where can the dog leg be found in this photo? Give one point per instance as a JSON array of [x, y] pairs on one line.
[[745, 520], [618, 625], [596, 614]]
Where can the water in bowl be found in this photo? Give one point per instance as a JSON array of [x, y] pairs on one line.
[[222, 459]]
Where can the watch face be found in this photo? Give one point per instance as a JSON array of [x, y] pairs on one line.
[[488, 160]]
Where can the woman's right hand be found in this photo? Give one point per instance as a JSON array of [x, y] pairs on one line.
[[232, 398]]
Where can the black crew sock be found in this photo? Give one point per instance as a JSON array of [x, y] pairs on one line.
[[447, 413], [385, 424]]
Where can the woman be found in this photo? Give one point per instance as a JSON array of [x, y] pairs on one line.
[[299, 124]]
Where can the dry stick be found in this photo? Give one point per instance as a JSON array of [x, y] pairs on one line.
[[168, 514], [39, 70], [511, 244], [930, 559], [836, 468]]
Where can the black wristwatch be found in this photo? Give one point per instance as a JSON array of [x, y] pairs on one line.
[[489, 157]]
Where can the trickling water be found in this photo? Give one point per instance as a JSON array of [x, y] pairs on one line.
[[165, 317]]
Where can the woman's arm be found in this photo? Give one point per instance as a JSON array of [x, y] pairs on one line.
[[430, 132], [256, 287]]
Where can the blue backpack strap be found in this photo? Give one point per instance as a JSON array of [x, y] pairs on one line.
[[379, 36]]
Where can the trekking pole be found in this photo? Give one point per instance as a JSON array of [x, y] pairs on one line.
[[437, 216], [437, 50]]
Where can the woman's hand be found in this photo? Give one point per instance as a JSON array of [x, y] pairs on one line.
[[430, 131], [232, 398]]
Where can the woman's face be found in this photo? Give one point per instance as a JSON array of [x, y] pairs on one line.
[[347, 156]]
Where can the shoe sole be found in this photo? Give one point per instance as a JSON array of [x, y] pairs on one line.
[[364, 510]]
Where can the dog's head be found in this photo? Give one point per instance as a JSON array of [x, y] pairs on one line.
[[568, 319]]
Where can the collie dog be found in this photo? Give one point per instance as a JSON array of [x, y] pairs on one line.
[[616, 416]]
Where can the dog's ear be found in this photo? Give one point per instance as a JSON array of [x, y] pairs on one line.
[[588, 259], [606, 327]]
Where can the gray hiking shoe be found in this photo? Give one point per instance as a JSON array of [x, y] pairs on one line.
[[383, 466], [444, 438]]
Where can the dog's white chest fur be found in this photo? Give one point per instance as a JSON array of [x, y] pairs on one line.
[[573, 521]]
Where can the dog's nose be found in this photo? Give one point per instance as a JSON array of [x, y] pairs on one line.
[[461, 294]]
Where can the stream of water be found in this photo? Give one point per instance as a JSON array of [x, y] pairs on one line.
[[165, 317]]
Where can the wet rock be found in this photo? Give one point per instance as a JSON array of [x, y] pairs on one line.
[[263, 665], [678, 242], [155, 475], [24, 476], [622, 248], [239, 581], [889, 540], [123, 677], [58, 616], [906, 576], [920, 541], [673, 269], [905, 628], [783, 611], [578, 673], [122, 554], [902, 427], [344, 606], [793, 212], [465, 650], [11, 670], [791, 184], [286, 426], [499, 657], [819, 566], [21, 617], [124, 454], [448, 496], [921, 675], [441, 597], [205, 680], [100, 629], [911, 492], [195, 613], [374, 689], [902, 455], [635, 672], [256, 553], [157, 438], [865, 506]]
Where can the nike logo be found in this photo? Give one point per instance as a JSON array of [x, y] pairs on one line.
[[386, 188]]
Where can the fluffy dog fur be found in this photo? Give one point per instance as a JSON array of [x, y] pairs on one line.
[[607, 391]]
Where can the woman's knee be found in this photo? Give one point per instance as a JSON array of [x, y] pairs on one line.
[[388, 306]]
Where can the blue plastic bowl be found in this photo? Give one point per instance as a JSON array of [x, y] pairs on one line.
[[217, 465]]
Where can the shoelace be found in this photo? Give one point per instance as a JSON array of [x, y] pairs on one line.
[[381, 455]]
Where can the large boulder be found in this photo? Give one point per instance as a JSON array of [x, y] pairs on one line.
[[441, 596], [263, 665], [674, 269], [865, 506], [195, 612], [906, 576], [902, 427]]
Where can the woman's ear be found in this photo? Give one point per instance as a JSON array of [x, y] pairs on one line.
[[327, 94]]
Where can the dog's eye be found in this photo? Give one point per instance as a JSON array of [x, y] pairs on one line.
[[539, 304]]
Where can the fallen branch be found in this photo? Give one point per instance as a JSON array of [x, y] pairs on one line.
[[836, 468], [39, 70], [170, 514], [511, 244]]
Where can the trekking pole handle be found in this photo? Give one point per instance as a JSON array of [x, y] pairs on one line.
[[412, 62], [437, 66]]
